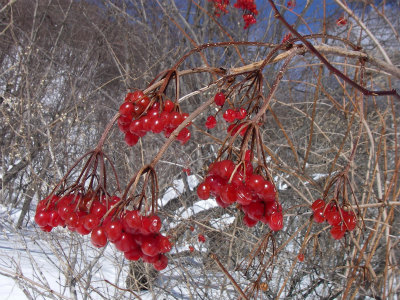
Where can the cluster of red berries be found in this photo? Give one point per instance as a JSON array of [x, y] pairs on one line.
[[341, 21], [135, 122], [220, 6], [291, 4], [254, 195], [340, 219], [286, 37], [230, 115], [135, 235], [248, 6]]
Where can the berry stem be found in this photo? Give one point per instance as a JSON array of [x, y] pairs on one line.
[[106, 132]]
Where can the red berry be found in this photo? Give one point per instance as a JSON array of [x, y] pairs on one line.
[[123, 127], [134, 254], [211, 122], [243, 195], [201, 238], [42, 218], [349, 220], [276, 221], [161, 263], [54, 219], [300, 257], [91, 221], [256, 183], [191, 228], [219, 99], [184, 135], [151, 224], [163, 244], [175, 119], [215, 182], [249, 222], [113, 230], [203, 191], [131, 139], [191, 248], [338, 232], [133, 220], [220, 202], [333, 217], [229, 115], [125, 243], [254, 210], [168, 106], [157, 125], [136, 127], [267, 192], [317, 204], [98, 209], [98, 237], [126, 109], [241, 114], [150, 246], [319, 216], [228, 193], [224, 168]]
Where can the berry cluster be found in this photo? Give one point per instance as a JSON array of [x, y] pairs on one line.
[[291, 4], [220, 6], [253, 194], [230, 115], [341, 21], [250, 8], [138, 118], [340, 219], [135, 235]]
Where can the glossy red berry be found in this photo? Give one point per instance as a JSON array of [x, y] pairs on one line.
[[228, 193], [249, 222], [42, 218], [131, 139], [276, 221], [333, 217], [211, 122], [319, 216], [91, 221], [241, 114], [133, 220], [219, 99], [125, 243], [184, 136], [317, 204], [150, 246], [134, 254], [126, 109], [161, 263], [229, 115], [349, 220], [151, 224], [256, 183], [98, 237], [191, 248], [203, 191], [163, 244], [113, 230], [169, 106], [338, 232]]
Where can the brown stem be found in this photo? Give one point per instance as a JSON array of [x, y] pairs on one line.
[[325, 61]]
